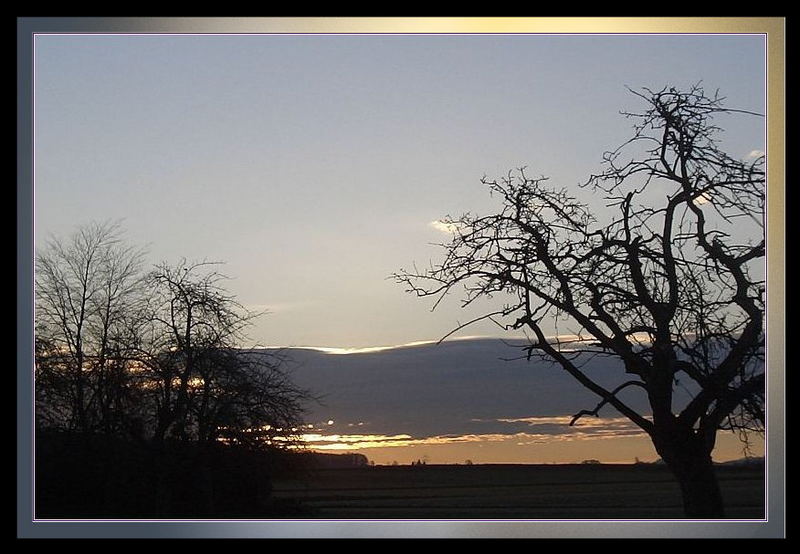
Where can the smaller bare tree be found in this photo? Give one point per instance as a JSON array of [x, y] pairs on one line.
[[86, 288], [202, 383], [148, 372]]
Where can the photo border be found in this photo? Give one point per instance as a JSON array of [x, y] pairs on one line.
[[772, 527]]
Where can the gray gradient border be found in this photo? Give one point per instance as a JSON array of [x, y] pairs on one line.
[[772, 527]]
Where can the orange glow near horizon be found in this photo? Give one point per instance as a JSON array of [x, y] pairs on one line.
[[612, 440], [499, 449]]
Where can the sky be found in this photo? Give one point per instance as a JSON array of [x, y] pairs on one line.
[[314, 166]]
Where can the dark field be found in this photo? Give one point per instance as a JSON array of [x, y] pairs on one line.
[[511, 492]]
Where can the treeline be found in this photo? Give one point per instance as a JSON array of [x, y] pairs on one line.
[[143, 385], [324, 460]]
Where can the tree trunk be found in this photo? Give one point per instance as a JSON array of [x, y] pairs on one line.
[[688, 458], [702, 498]]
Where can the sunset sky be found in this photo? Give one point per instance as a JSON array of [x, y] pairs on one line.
[[315, 166]]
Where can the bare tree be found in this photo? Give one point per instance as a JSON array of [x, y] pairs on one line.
[[203, 385], [670, 284], [85, 290], [148, 372], [156, 355]]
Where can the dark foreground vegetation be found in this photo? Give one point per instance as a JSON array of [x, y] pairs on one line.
[[81, 476], [104, 477], [580, 491]]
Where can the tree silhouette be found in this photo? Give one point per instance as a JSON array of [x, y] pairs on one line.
[[86, 289], [203, 385], [161, 352], [145, 382], [668, 284]]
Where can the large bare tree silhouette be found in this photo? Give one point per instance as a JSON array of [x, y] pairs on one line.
[[669, 283]]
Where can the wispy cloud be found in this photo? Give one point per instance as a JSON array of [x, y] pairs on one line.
[[444, 226], [618, 423], [553, 429], [355, 442], [755, 154]]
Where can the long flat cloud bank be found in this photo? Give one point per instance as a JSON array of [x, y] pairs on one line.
[[454, 391]]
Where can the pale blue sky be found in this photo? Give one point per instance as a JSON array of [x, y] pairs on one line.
[[313, 165]]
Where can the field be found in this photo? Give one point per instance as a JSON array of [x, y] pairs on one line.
[[510, 492]]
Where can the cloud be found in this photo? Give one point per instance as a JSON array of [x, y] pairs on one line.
[[341, 350], [755, 154], [601, 423], [365, 349], [552, 429], [444, 226]]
